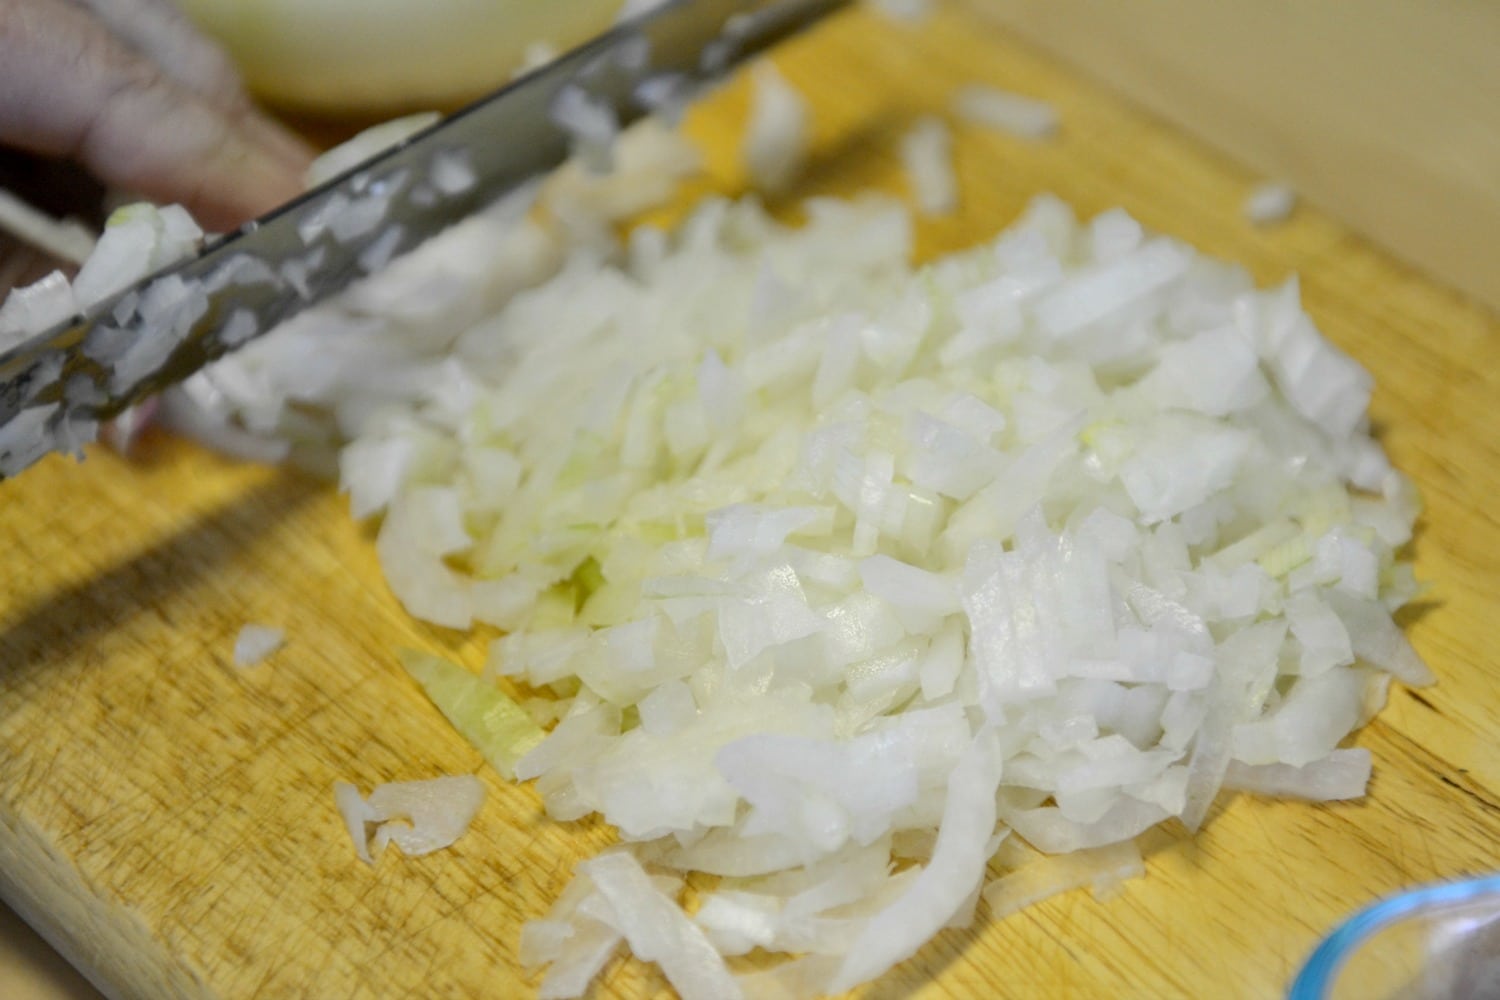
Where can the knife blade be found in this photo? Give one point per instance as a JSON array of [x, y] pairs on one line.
[[56, 387]]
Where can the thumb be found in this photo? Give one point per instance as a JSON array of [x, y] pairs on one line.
[[68, 87]]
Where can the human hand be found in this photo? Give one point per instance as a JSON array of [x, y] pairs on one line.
[[131, 91]]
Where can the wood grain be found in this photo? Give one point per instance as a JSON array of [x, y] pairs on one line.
[[1386, 113], [168, 819]]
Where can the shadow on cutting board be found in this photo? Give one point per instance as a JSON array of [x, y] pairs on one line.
[[31, 970], [62, 625]]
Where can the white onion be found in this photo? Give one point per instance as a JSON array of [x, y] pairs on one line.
[[1343, 774], [26, 438], [776, 137], [138, 240], [927, 155], [856, 528], [536, 55], [256, 642], [355, 812], [419, 817], [591, 122], [1377, 639], [168, 309], [1270, 203], [582, 956], [379, 252], [179, 412], [821, 565], [1037, 878], [1025, 117], [665, 95], [954, 873], [657, 929], [35, 308], [240, 269], [73, 432], [452, 172], [632, 9], [366, 145]]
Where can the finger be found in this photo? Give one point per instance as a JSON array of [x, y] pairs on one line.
[[275, 137], [70, 88], [160, 31]]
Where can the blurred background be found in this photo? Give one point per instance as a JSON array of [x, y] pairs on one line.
[[332, 61]]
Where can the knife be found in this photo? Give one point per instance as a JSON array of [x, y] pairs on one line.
[[58, 386]]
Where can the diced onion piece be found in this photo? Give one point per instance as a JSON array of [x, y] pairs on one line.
[[903, 10], [26, 438], [419, 817], [367, 145], [536, 55], [356, 812], [583, 955], [137, 240], [776, 137], [954, 873], [991, 107], [1377, 639], [498, 727], [927, 155], [590, 121], [36, 308], [256, 642], [1343, 774], [1042, 876], [632, 9], [1270, 203], [657, 929]]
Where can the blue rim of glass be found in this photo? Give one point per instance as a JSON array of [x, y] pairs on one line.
[[1318, 973]]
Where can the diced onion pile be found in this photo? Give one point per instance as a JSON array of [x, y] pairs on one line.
[[831, 578], [838, 580]]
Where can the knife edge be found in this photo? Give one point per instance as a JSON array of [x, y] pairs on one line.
[[56, 387]]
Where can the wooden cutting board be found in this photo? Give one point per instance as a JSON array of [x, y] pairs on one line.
[[168, 819]]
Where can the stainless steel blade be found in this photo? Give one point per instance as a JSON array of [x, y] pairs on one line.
[[55, 388]]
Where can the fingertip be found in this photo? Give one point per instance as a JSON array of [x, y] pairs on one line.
[[254, 168], [263, 167], [243, 186], [278, 140]]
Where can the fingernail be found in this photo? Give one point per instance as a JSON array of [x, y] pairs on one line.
[[279, 141], [249, 182]]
